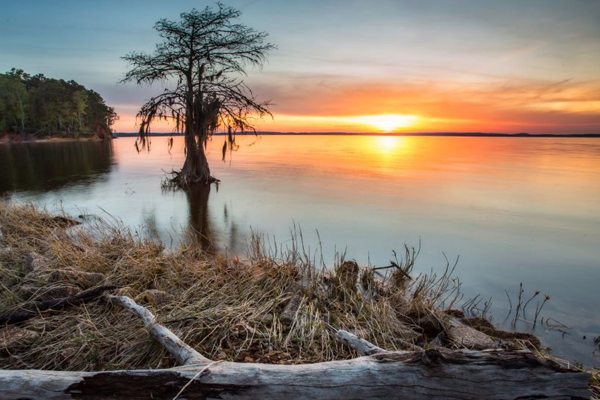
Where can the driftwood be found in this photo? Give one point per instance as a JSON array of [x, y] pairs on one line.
[[30, 310], [430, 374], [183, 353], [464, 336], [361, 346]]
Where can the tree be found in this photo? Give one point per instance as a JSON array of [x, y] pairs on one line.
[[13, 100], [99, 117], [201, 60]]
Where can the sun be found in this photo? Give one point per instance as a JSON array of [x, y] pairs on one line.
[[388, 123]]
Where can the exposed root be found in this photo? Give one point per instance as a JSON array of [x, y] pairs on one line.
[[178, 180]]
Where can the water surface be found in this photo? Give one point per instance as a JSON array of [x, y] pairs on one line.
[[514, 209]]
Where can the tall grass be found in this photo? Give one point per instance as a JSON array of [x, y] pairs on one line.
[[227, 308]]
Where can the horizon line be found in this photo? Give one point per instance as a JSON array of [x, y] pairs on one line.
[[442, 134]]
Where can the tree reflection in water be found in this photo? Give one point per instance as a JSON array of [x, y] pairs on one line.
[[205, 230], [50, 166], [200, 227]]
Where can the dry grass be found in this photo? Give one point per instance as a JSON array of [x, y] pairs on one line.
[[595, 383], [227, 309]]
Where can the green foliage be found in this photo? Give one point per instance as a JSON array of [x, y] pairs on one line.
[[45, 106]]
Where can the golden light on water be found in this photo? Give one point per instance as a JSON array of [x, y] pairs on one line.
[[388, 144]]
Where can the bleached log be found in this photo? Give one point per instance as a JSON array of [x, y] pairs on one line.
[[183, 353], [432, 374], [464, 336], [362, 346]]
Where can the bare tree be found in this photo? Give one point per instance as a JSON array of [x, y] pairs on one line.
[[201, 61]]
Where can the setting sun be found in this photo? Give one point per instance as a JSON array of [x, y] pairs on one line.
[[387, 123], [376, 123]]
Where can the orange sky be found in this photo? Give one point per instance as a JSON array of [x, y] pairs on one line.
[[521, 106], [491, 105], [534, 106]]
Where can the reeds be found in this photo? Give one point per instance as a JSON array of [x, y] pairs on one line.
[[595, 383], [520, 314]]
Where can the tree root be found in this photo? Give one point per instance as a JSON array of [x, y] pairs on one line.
[[177, 180]]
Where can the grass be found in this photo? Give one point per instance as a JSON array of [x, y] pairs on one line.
[[595, 384], [226, 308]]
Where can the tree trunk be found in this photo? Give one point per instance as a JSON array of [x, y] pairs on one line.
[[394, 375], [22, 117], [195, 168]]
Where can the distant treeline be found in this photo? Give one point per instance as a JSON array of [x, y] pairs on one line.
[[44, 106]]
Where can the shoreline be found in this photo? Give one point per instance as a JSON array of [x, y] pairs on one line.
[[411, 301], [7, 139]]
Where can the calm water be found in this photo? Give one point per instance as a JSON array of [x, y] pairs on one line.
[[515, 210]]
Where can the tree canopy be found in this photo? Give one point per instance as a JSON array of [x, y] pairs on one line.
[[201, 60], [45, 106]]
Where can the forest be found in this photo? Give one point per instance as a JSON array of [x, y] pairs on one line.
[[38, 106]]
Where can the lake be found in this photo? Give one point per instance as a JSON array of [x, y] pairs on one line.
[[514, 209]]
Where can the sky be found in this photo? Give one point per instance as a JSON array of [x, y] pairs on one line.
[[349, 66]]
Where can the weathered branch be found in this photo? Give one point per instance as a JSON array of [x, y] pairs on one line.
[[183, 353], [432, 374], [363, 347], [464, 336]]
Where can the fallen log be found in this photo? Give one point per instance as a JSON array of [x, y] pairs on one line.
[[32, 309], [432, 374], [424, 374]]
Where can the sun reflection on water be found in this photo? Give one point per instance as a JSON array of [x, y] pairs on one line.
[[389, 144]]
